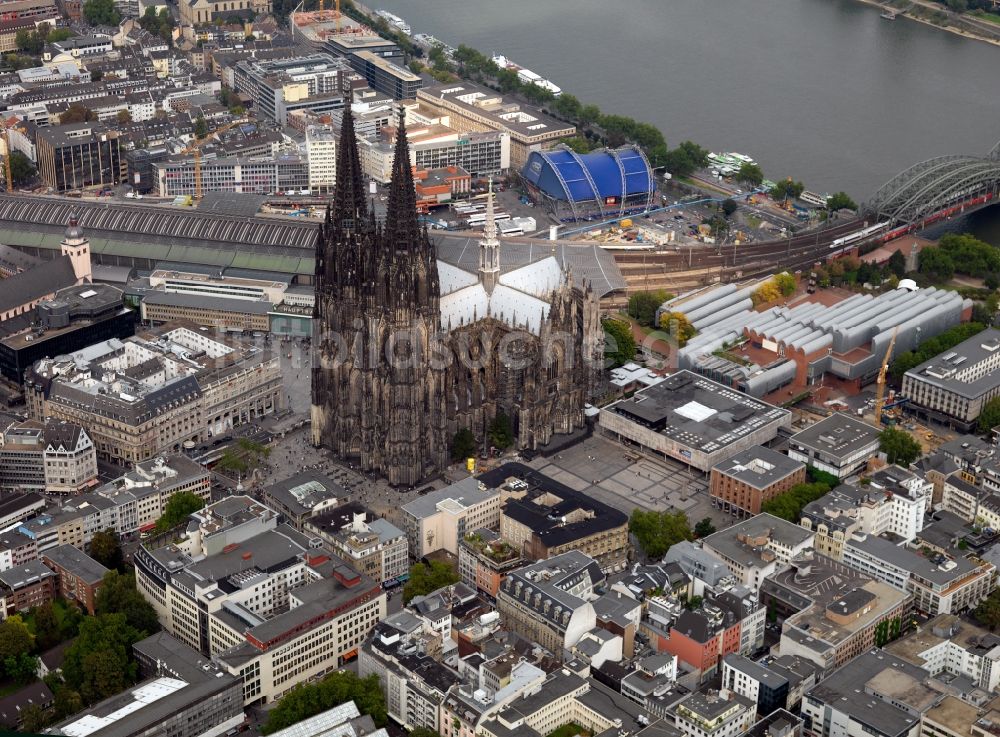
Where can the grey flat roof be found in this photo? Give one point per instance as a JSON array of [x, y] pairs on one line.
[[25, 575], [696, 412], [838, 435], [465, 492], [908, 560], [845, 690], [945, 370], [223, 304], [758, 466], [762, 525], [76, 562]]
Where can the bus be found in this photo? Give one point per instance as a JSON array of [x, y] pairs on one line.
[[480, 218], [510, 229]]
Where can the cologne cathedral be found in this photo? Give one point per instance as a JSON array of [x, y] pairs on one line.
[[412, 348]]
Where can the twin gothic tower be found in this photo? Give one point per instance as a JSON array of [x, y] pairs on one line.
[[412, 348]]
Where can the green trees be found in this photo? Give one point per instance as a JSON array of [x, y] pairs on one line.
[[685, 159], [501, 433], [200, 128], [678, 325], [785, 283], [98, 663], [178, 508], [897, 263], [729, 207], [57, 34], [989, 417], [118, 595], [463, 445], [789, 505], [580, 144], [704, 528], [307, 700], [988, 611], [932, 347], [29, 41], [101, 13], [899, 446], [840, 201], [657, 532], [619, 343], [428, 577], [962, 254], [106, 550], [786, 189], [159, 24], [77, 113], [643, 305], [16, 643], [244, 457], [21, 168], [750, 174]]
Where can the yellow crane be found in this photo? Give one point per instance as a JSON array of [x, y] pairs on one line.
[[880, 384], [195, 148], [322, 8], [9, 180]]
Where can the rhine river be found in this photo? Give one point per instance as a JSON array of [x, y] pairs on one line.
[[823, 90]]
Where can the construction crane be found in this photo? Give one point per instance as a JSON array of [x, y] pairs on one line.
[[880, 384], [195, 148], [322, 8], [9, 181]]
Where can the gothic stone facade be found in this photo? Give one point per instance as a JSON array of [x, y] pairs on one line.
[[411, 348]]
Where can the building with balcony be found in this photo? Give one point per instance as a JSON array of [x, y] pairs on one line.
[[439, 519], [369, 544], [79, 576], [484, 560], [25, 586], [950, 645], [713, 713]]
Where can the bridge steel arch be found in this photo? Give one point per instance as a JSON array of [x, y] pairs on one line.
[[932, 185]]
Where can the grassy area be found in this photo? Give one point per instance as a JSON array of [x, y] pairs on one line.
[[569, 730], [67, 615], [988, 17]]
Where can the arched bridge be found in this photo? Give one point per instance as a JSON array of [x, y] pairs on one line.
[[937, 188]]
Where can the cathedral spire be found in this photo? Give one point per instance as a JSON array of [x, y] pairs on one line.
[[489, 248], [350, 208], [402, 230]]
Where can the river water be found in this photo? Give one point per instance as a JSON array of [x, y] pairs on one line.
[[822, 90]]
